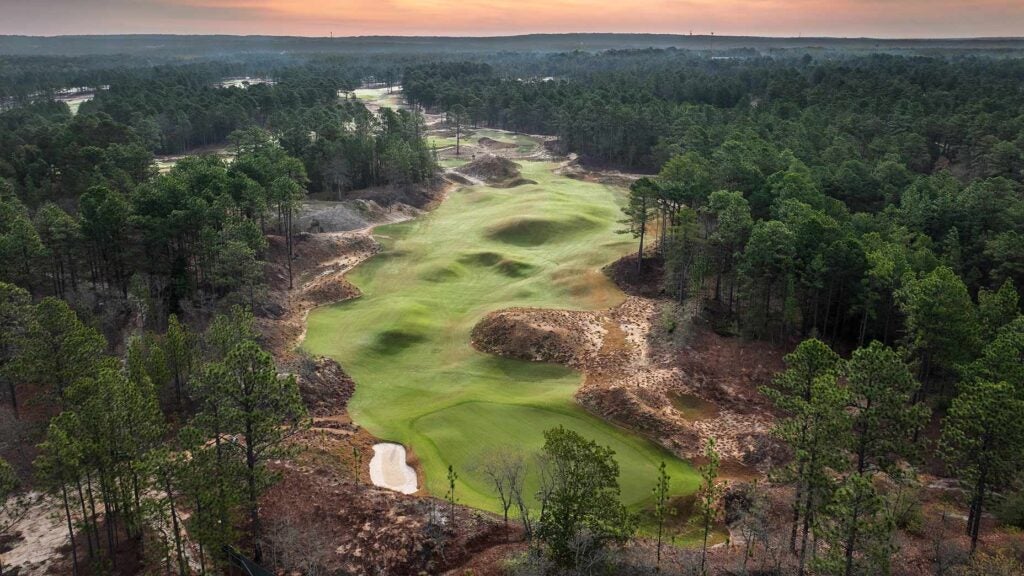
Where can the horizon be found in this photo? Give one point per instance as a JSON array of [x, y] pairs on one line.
[[500, 36], [868, 19]]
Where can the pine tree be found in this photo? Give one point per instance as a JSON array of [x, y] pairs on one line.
[[661, 508], [708, 496], [61, 349], [263, 409], [16, 316], [642, 197], [981, 440], [815, 427], [59, 464], [997, 309], [881, 388], [941, 324], [453, 476], [181, 352], [857, 529]]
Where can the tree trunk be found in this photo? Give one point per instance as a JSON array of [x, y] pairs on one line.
[[806, 531], [640, 251], [14, 397], [71, 530], [177, 384], [85, 518], [108, 521], [92, 511], [797, 499], [851, 540], [202, 552], [974, 527], [182, 565], [291, 285], [254, 512], [704, 546], [863, 328]]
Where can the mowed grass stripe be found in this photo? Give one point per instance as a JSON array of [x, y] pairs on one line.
[[406, 341]]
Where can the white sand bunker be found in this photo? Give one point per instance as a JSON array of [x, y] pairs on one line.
[[388, 468]]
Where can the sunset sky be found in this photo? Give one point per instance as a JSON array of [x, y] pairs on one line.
[[877, 18]]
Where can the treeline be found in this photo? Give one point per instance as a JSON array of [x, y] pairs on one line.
[[24, 78], [638, 108], [179, 108], [47, 154], [855, 427], [833, 204], [81, 203], [925, 286], [788, 258], [173, 433], [124, 476], [858, 428], [364, 150], [195, 235]]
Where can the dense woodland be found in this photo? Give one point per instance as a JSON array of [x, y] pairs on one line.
[[869, 208], [101, 254]]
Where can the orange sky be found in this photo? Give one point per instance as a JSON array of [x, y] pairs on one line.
[[879, 18]]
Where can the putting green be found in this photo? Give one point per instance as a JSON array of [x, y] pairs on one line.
[[406, 341]]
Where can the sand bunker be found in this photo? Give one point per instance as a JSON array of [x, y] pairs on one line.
[[388, 468]]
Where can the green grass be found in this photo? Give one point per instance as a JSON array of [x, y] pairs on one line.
[[406, 341], [524, 142], [442, 141], [380, 97], [452, 162]]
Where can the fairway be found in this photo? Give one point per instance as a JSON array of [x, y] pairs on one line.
[[406, 341]]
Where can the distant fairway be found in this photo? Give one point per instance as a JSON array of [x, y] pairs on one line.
[[380, 97], [471, 137], [406, 341]]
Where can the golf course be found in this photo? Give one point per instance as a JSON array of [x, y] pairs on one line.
[[406, 340]]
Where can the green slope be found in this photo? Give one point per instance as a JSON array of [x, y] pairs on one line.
[[406, 340]]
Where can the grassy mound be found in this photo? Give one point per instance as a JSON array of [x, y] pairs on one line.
[[442, 273], [406, 341], [508, 266], [514, 183], [391, 342], [532, 231], [484, 259], [515, 268]]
